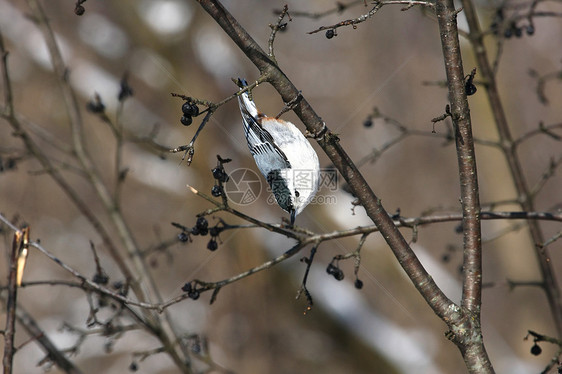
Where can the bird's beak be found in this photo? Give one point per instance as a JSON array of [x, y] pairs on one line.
[[293, 216]]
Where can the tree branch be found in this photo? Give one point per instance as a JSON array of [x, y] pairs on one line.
[[11, 303], [467, 335]]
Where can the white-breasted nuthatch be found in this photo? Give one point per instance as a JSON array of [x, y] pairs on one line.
[[282, 153]]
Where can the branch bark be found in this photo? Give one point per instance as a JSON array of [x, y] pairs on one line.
[[460, 113], [11, 303], [469, 337]]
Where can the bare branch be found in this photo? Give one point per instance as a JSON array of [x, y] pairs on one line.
[[339, 8], [11, 303], [378, 5], [275, 28]]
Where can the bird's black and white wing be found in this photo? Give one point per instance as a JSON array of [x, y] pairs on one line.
[[267, 154]]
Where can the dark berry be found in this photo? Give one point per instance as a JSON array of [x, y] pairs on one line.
[[536, 350], [194, 110], [338, 274], [79, 10], [100, 278], [183, 237], [494, 27], [469, 88], [125, 91], [216, 191], [217, 173], [220, 175], [133, 366], [331, 269], [212, 245], [11, 163], [193, 294], [186, 120], [215, 231], [358, 284], [195, 231], [202, 223], [530, 29], [95, 106], [518, 32], [118, 285], [203, 231], [189, 109], [368, 122], [508, 33], [186, 287], [330, 33]]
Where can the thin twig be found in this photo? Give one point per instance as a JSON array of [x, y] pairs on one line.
[[275, 28], [541, 129], [339, 8], [11, 303], [378, 5], [308, 261]]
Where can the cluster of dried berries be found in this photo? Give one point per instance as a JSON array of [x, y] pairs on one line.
[[337, 273], [220, 176], [191, 291], [189, 110], [202, 228]]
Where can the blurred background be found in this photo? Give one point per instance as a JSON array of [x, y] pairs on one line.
[[392, 62]]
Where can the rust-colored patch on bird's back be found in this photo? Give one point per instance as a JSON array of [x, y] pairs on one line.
[[265, 120]]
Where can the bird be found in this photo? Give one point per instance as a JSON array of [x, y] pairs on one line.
[[282, 154]]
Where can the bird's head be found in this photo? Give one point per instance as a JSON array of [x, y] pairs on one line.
[[293, 189]]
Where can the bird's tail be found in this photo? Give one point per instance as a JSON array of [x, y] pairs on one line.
[[247, 105]]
